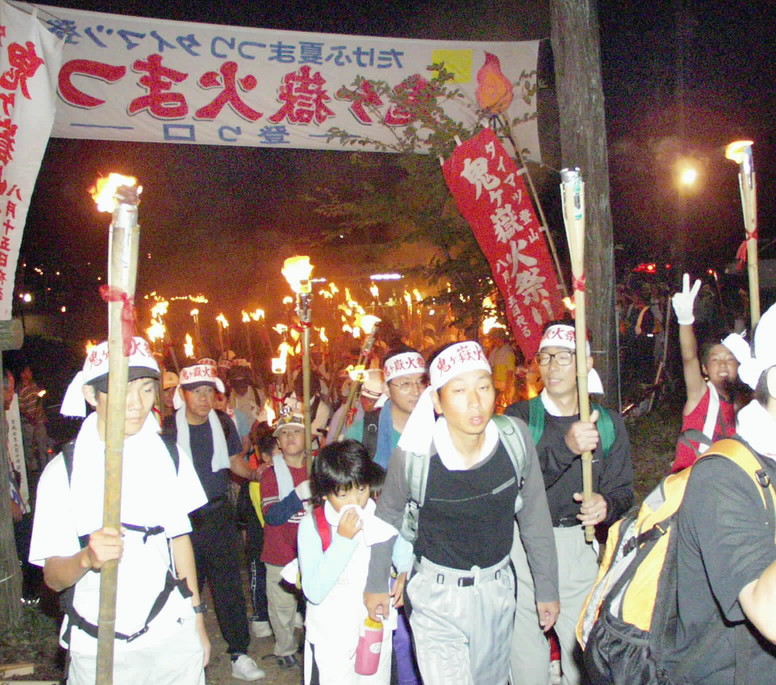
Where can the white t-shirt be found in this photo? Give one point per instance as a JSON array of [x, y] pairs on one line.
[[152, 494]]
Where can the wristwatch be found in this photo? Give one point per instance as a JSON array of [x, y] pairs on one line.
[[201, 608]]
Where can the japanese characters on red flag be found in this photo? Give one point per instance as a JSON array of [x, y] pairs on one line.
[[493, 198], [141, 79], [29, 62]]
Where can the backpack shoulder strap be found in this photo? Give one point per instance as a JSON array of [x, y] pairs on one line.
[[740, 453], [416, 469], [605, 426], [369, 436], [68, 452], [322, 525], [172, 447], [536, 418], [513, 441]]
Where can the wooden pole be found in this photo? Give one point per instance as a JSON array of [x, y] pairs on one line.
[[748, 186], [545, 226], [356, 384], [122, 275], [573, 200], [304, 312]]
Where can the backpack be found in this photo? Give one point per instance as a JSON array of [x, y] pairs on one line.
[[416, 471], [171, 582], [369, 437], [628, 623], [604, 425]]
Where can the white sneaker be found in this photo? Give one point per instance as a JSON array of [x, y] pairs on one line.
[[298, 621], [245, 668], [261, 629]]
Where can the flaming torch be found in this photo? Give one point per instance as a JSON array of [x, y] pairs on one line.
[[197, 331], [188, 347], [223, 333], [573, 200], [740, 152], [368, 324], [121, 196], [296, 271]]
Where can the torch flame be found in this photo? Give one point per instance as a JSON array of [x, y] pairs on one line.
[[288, 299], [736, 151], [269, 410], [334, 289], [322, 334], [155, 331], [104, 190], [89, 345], [188, 346], [375, 291], [222, 320], [194, 313], [367, 323], [296, 270], [245, 317], [258, 315], [494, 90], [357, 373], [280, 328], [159, 309], [418, 296]]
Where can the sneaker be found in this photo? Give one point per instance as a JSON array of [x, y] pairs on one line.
[[245, 668], [261, 629], [298, 621], [288, 662]]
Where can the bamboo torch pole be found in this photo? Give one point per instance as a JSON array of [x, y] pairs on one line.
[[369, 324], [741, 153], [120, 293], [573, 199], [297, 271]]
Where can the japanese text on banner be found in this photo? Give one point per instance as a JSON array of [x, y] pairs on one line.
[[492, 196]]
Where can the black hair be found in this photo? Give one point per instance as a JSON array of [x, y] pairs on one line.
[[341, 466], [266, 443]]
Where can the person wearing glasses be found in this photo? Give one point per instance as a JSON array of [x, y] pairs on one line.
[[563, 438], [404, 380]]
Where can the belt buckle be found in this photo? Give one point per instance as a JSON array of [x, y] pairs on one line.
[[468, 581]]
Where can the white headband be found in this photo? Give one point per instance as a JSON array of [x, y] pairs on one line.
[[403, 364], [201, 373], [752, 366], [561, 335], [97, 364], [451, 362]]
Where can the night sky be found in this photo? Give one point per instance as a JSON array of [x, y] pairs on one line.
[[680, 79]]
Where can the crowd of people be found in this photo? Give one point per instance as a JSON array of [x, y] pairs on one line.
[[444, 506]]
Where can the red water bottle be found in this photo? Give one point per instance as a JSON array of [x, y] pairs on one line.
[[370, 641]]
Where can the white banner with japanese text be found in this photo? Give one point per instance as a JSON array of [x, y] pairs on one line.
[[18, 466], [149, 80], [29, 63], [492, 196]]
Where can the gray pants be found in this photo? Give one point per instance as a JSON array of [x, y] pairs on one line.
[[577, 570], [462, 623]]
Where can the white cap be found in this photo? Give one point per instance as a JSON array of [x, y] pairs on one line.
[[95, 370], [201, 374], [752, 366]]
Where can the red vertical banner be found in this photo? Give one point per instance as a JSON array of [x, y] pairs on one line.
[[492, 196]]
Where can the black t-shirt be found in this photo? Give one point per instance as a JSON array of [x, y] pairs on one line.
[[464, 523], [725, 541], [201, 449]]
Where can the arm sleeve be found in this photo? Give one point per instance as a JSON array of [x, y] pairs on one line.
[[390, 508], [276, 511], [321, 570], [615, 481], [535, 526], [723, 520]]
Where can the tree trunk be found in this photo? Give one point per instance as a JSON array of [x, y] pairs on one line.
[[577, 56], [10, 571]]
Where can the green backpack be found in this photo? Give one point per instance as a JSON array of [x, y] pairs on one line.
[[605, 425]]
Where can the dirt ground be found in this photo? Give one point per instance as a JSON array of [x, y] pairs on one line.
[[219, 672]]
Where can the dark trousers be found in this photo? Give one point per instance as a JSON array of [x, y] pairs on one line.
[[217, 554], [254, 543]]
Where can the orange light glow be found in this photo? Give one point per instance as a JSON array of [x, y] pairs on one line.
[[188, 346], [104, 190], [222, 320]]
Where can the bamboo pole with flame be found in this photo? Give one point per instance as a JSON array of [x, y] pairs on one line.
[[369, 324], [296, 271], [740, 152], [572, 190], [119, 195]]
